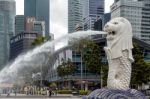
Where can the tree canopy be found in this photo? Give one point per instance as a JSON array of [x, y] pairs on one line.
[[90, 54], [140, 69], [66, 68]]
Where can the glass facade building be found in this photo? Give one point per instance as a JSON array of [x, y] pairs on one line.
[[7, 21], [74, 14], [19, 24], [137, 12], [40, 9], [92, 10], [84, 12], [39, 27], [21, 42]]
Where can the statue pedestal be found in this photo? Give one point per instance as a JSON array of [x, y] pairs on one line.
[[115, 94]]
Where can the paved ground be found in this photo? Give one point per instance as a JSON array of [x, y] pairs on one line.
[[40, 98], [37, 97], [22, 96]]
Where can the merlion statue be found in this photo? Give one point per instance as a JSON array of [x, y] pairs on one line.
[[119, 53]]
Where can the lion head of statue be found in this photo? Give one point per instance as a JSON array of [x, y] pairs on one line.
[[119, 36]]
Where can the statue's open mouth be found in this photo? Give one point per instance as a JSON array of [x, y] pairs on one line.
[[112, 33]]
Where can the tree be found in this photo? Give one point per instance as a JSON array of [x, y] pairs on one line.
[[70, 67], [90, 54], [140, 69], [66, 68], [39, 41], [105, 74]]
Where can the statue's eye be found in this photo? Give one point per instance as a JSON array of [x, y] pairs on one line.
[[115, 23]]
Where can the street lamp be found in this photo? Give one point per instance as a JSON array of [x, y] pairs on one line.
[[81, 72]]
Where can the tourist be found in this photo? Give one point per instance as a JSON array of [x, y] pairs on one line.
[[50, 92]]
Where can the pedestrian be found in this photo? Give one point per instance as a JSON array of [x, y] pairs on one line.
[[50, 92], [8, 93]]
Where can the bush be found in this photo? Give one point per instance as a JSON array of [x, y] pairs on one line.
[[53, 86], [83, 92], [64, 91]]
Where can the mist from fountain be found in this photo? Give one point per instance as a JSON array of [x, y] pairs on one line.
[[38, 56]]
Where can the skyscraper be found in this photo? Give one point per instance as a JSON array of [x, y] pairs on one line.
[[137, 12], [84, 12], [19, 24], [40, 9], [39, 27], [7, 21], [91, 11], [21, 43], [74, 14]]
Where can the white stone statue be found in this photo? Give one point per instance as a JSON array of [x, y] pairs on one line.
[[119, 53]]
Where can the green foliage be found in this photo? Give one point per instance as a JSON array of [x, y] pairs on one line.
[[66, 68], [39, 41], [90, 53], [105, 74], [83, 92], [64, 91], [53, 85], [140, 69]]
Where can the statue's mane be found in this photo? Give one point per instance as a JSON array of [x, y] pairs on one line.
[[123, 41]]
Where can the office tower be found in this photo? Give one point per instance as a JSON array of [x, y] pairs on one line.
[[29, 23], [7, 21], [40, 9], [145, 22], [19, 24], [39, 27], [21, 42], [74, 14], [91, 11], [138, 13]]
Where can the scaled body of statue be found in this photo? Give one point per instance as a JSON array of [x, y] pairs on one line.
[[119, 53]]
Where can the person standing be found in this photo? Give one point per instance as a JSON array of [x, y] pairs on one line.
[[50, 92]]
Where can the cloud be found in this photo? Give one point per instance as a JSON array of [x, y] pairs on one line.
[[19, 7], [58, 17], [108, 3], [58, 29]]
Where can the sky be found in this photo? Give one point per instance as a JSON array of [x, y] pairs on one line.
[[58, 15], [19, 7]]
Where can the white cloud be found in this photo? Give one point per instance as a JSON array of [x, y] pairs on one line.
[[108, 3], [58, 29], [58, 17], [19, 7]]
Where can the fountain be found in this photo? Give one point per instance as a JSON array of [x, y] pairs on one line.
[[119, 55], [37, 57]]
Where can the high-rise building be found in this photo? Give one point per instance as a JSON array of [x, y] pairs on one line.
[[29, 23], [84, 12], [137, 12], [40, 9], [21, 42], [91, 11], [19, 24], [39, 27], [74, 14], [145, 22], [7, 21]]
